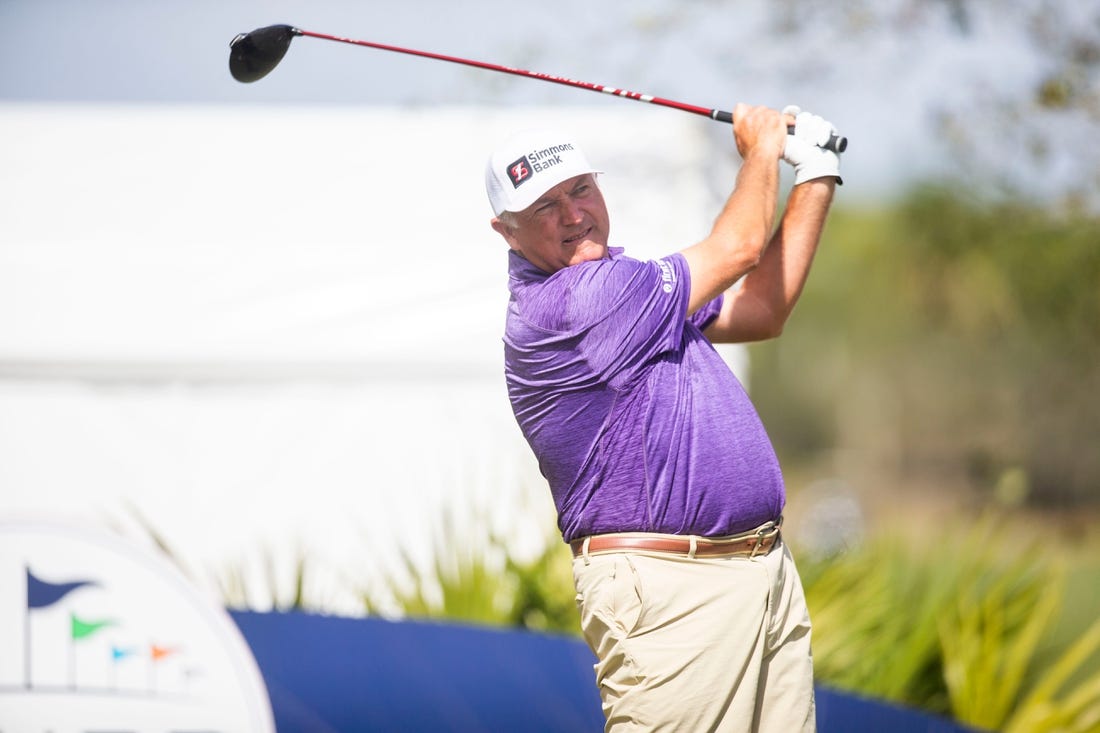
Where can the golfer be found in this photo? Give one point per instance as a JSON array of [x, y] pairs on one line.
[[665, 482]]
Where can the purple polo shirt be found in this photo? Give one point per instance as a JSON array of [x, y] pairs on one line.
[[637, 422]]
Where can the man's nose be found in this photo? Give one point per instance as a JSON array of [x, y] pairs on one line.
[[571, 212]]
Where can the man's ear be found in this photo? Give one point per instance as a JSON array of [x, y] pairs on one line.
[[505, 231]]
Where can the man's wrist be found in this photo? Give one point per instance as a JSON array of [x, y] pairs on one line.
[[830, 180]]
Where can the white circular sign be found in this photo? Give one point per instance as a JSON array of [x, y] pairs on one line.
[[100, 633]]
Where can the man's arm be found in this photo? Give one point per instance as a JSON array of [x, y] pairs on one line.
[[760, 307], [740, 234]]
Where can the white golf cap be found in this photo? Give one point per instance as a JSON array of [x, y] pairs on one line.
[[530, 163]]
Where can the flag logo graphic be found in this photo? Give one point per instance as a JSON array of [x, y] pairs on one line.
[[105, 635], [41, 594]]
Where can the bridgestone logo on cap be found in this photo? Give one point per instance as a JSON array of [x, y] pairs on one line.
[[519, 171]]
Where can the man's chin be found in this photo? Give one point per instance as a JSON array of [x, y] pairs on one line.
[[589, 251]]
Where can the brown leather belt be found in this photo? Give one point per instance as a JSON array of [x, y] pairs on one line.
[[758, 542]]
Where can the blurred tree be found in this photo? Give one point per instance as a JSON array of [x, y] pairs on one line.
[[948, 342], [1021, 103], [1020, 290]]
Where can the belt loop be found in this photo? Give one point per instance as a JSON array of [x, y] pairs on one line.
[[769, 529], [760, 534], [693, 545], [584, 550]]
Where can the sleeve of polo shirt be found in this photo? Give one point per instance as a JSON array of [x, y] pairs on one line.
[[633, 312], [706, 315]]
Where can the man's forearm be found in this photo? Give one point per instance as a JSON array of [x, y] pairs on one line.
[[740, 234], [749, 212], [759, 309], [779, 278]]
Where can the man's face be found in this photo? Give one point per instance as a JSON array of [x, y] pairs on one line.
[[566, 225]]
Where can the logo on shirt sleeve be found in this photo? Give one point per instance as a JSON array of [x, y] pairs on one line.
[[668, 275]]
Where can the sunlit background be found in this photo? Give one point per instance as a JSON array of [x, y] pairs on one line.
[[260, 324]]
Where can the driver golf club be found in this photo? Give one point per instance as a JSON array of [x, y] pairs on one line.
[[253, 55]]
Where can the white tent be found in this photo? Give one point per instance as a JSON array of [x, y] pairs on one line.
[[274, 332]]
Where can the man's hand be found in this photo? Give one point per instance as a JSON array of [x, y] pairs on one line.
[[803, 149], [758, 129]]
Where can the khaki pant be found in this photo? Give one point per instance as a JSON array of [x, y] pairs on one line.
[[692, 645]]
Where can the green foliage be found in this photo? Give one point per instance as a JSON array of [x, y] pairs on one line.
[[875, 630], [950, 340], [989, 268], [238, 592], [956, 627], [1044, 710], [989, 637], [545, 598], [481, 583], [461, 590]]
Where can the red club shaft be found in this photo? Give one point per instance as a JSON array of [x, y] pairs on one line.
[[714, 114]]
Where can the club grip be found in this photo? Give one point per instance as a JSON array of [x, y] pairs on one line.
[[836, 143]]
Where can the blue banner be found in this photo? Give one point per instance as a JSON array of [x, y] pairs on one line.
[[341, 675]]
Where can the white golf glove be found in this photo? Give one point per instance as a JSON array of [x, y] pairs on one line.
[[803, 149]]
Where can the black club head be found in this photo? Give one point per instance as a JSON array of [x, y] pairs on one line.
[[253, 55]]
